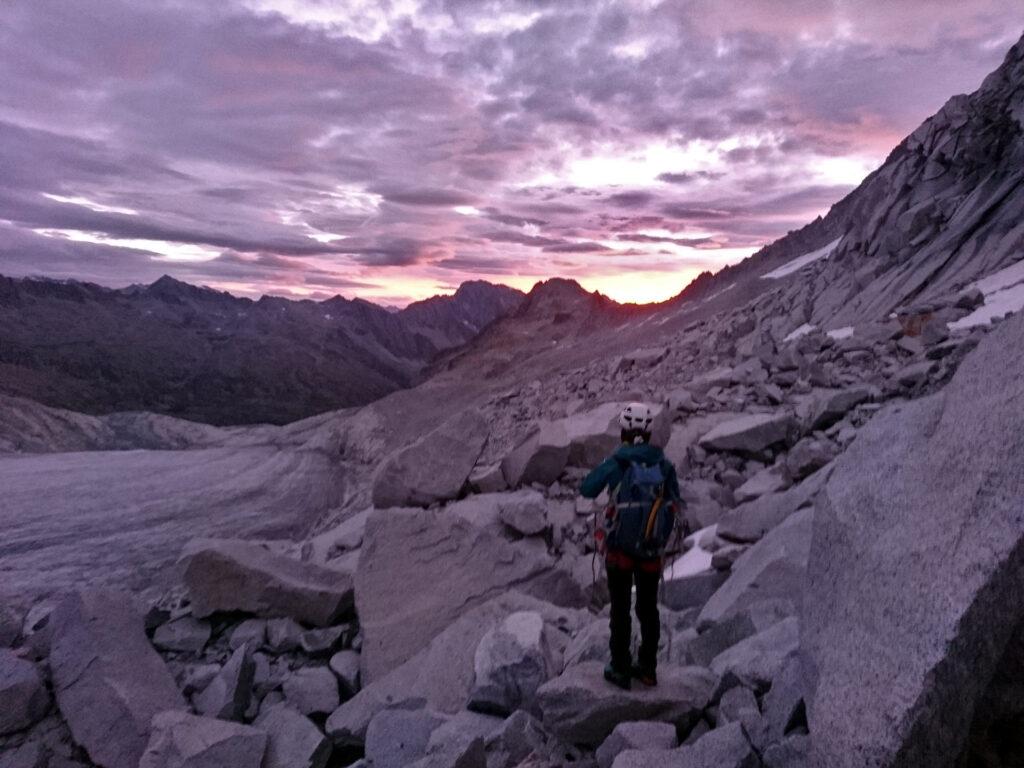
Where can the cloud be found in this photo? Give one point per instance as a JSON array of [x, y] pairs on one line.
[[292, 138]]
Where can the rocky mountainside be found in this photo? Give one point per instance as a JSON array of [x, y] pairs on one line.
[[413, 583], [200, 354]]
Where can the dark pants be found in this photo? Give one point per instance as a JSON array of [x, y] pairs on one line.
[[620, 587]]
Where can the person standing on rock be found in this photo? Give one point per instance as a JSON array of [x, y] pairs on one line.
[[644, 496]]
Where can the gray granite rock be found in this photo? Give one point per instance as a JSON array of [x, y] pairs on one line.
[[293, 741], [757, 660], [436, 467], [581, 707], [184, 635], [181, 740], [345, 665], [773, 569], [228, 694], [312, 690], [421, 569], [108, 680], [396, 738], [725, 747], [511, 662], [915, 558], [442, 674], [22, 691], [231, 575], [636, 735], [750, 435]]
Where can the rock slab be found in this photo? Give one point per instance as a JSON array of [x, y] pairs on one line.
[[231, 575], [419, 570], [108, 680], [581, 707]]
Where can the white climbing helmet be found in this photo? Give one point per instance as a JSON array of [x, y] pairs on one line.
[[636, 416]]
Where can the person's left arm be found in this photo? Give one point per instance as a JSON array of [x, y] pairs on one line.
[[601, 476]]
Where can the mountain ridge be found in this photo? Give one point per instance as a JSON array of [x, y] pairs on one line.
[[195, 352]]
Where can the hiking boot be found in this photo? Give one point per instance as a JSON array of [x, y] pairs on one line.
[[647, 677], [616, 678]]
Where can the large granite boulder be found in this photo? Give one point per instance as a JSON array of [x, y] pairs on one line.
[[581, 707], [108, 680], [420, 569], [751, 435], [913, 607], [443, 674], [773, 570], [232, 575], [181, 740], [436, 467], [24, 696]]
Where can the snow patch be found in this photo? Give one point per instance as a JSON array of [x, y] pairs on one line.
[[841, 333], [803, 330], [696, 559], [1004, 292], [802, 261]]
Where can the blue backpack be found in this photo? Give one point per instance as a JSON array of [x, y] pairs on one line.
[[641, 522]]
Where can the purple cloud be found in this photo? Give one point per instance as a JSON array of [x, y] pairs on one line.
[[304, 146]]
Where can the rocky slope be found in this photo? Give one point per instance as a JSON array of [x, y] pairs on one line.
[[849, 594], [199, 354]]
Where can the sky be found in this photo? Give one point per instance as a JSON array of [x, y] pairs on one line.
[[391, 150]]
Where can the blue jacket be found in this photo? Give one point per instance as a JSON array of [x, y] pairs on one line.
[[608, 473]]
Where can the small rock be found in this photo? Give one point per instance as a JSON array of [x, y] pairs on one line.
[[791, 752], [317, 642], [512, 661], [195, 677], [757, 660], [750, 435], [293, 741], [345, 664], [10, 626], [768, 480], [184, 635], [488, 479], [228, 694], [396, 738], [725, 747], [24, 696], [524, 512], [636, 735], [181, 740], [312, 691], [251, 631], [31, 754], [283, 635]]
